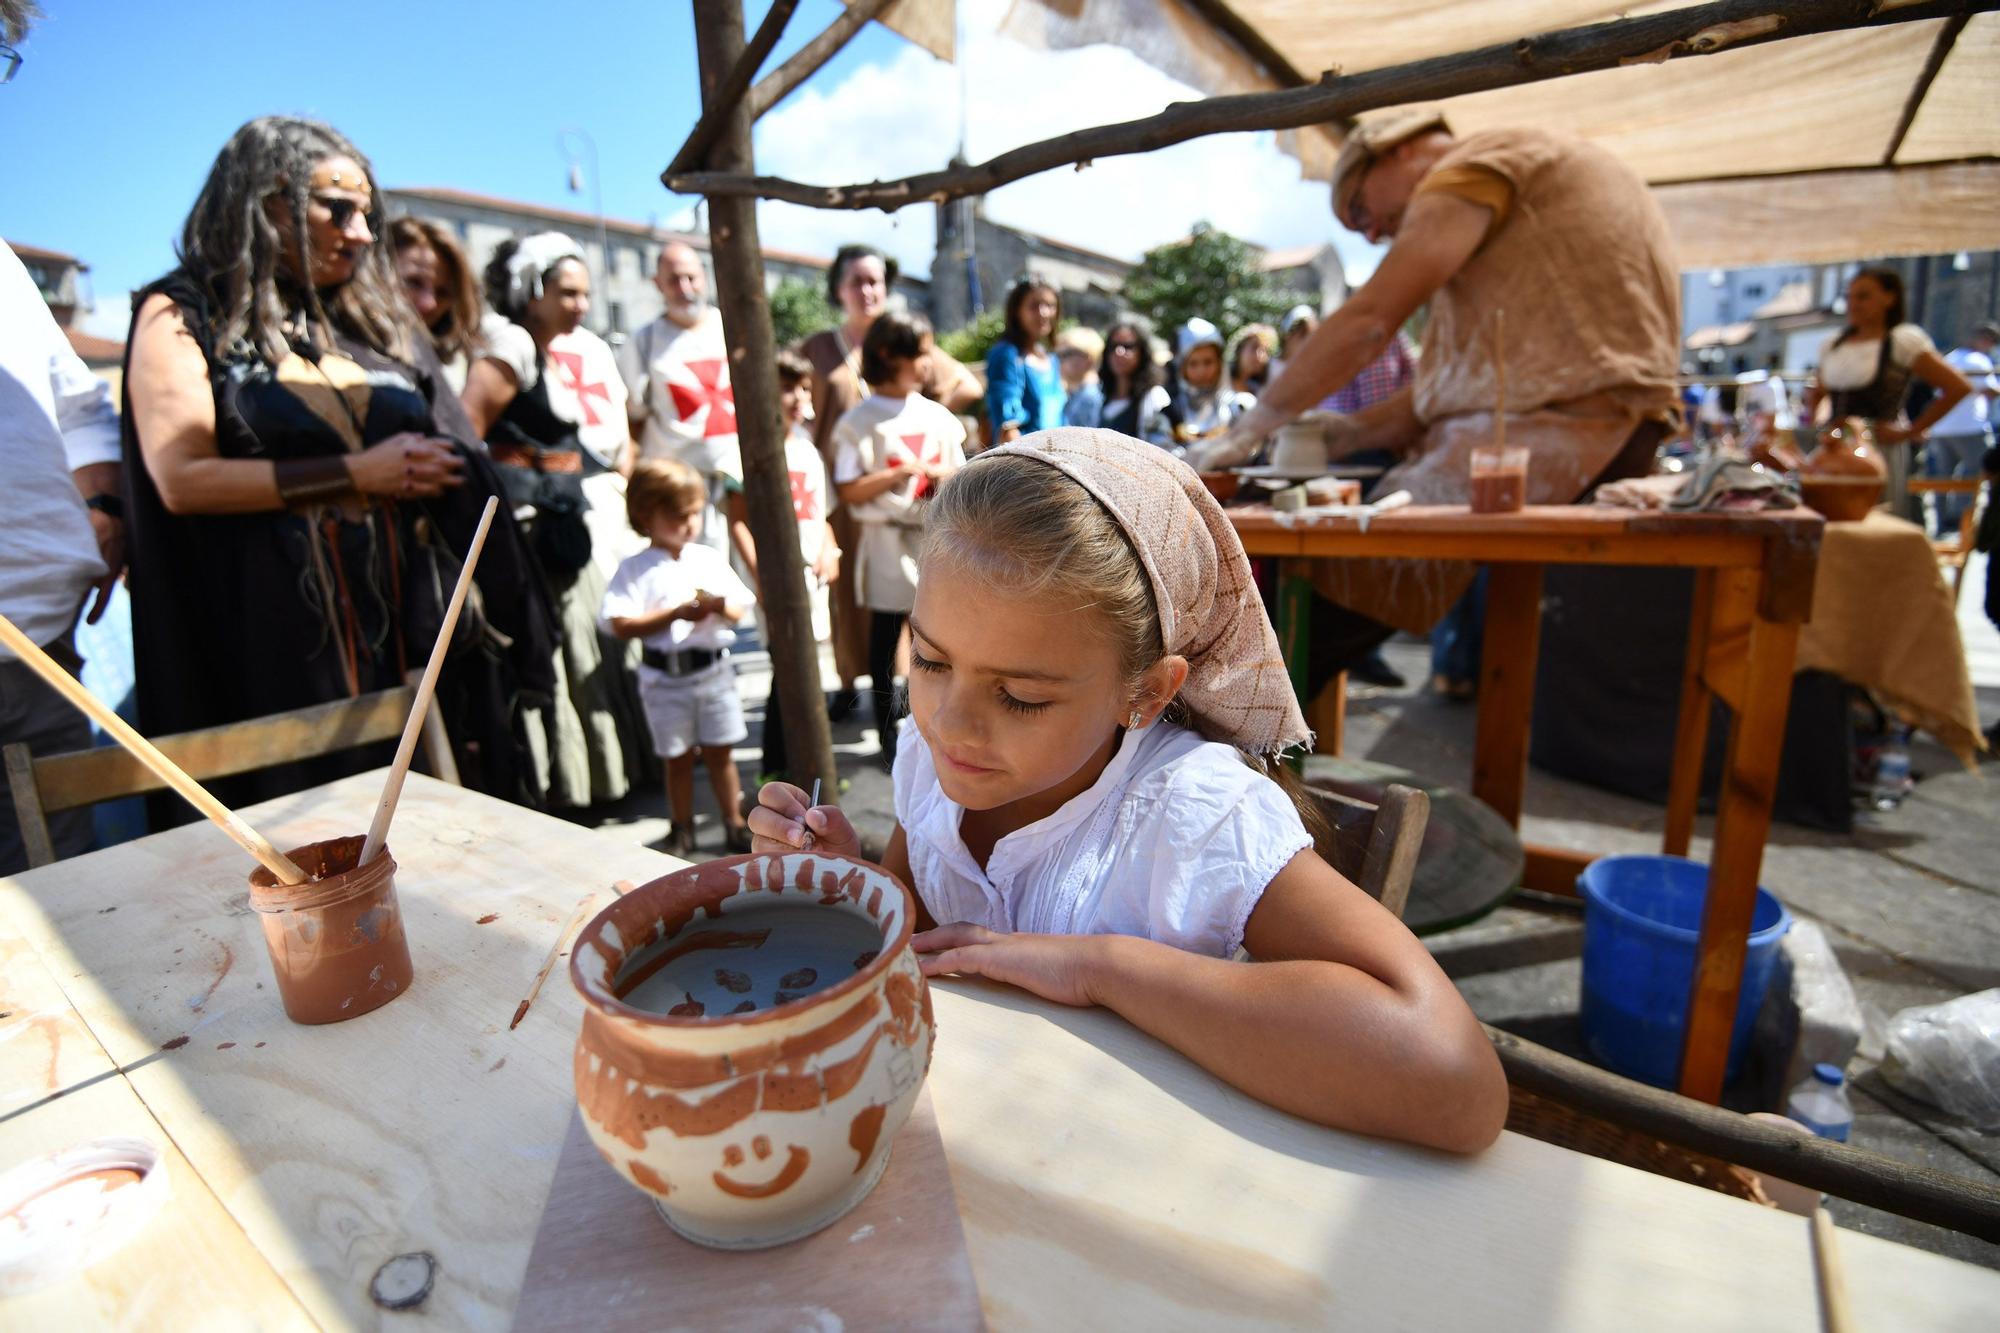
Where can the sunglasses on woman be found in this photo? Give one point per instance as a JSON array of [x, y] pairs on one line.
[[1124, 347], [340, 210]]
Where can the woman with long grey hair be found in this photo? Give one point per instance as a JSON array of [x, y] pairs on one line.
[[301, 479]]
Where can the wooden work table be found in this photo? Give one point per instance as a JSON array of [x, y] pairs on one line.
[[1102, 1179], [1753, 590]]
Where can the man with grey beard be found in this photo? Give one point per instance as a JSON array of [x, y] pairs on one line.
[[679, 397]]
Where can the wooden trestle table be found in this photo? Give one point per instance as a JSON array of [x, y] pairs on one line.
[[1102, 1180], [1753, 589]]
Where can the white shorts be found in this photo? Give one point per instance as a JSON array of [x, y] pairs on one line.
[[685, 711]]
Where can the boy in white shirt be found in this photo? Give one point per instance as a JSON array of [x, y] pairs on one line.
[[817, 546], [681, 599]]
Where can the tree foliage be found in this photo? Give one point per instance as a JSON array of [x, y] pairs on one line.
[[1211, 274], [971, 343], [798, 310]]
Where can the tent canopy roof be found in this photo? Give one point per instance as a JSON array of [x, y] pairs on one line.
[[1709, 133]]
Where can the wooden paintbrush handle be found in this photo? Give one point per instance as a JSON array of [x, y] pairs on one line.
[[165, 769], [392, 790]]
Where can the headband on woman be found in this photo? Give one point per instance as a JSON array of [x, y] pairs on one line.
[[1210, 612], [535, 256]]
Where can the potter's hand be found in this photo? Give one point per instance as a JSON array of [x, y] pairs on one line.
[[783, 818], [1055, 967], [1237, 446]]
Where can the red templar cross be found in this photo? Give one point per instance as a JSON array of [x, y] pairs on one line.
[[571, 366], [924, 450], [719, 398]]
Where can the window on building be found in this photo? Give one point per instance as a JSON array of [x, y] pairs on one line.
[[1754, 291], [618, 317]]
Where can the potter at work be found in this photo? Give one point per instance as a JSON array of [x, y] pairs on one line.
[[1567, 240], [756, 1032]]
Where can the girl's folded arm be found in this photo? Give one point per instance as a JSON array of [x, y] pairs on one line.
[[1344, 1019]]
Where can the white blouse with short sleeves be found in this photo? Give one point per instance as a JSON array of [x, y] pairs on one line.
[[1176, 841], [1852, 364]]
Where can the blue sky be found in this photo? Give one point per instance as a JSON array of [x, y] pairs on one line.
[[121, 105]]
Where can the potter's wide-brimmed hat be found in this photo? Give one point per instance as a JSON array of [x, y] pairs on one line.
[[1371, 140]]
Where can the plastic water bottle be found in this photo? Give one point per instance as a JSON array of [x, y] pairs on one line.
[[1820, 1103], [1892, 770]]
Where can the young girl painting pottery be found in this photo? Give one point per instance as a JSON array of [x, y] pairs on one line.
[[1083, 801]]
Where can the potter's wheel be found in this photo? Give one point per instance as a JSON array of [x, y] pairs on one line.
[[1288, 475]]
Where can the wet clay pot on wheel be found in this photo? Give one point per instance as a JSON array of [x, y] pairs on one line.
[[1843, 477], [336, 941], [755, 1032]]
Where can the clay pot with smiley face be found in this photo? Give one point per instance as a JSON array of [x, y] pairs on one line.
[[755, 1032]]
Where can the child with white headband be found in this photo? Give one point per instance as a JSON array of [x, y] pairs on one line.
[[1084, 801]]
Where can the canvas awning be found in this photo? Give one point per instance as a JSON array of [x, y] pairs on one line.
[[1835, 146], [1721, 335]]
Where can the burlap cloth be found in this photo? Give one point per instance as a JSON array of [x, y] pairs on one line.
[[1882, 617]]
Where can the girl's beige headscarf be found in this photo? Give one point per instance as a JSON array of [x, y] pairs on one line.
[[1237, 687]]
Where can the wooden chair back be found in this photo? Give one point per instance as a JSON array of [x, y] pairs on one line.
[[1375, 846], [51, 783]]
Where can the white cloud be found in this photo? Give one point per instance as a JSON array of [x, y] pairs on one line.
[[900, 116]]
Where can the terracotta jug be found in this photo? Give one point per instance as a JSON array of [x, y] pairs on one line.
[[755, 1032], [1843, 476]]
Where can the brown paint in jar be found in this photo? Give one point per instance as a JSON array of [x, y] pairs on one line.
[[1499, 479], [336, 941]]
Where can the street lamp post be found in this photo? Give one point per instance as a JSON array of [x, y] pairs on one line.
[[576, 172]]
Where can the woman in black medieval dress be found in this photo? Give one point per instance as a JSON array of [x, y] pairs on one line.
[[302, 483]]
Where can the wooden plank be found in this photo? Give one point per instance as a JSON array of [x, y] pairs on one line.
[[1327, 716], [1791, 568], [46, 1049], [1553, 869], [1731, 612], [1854, 1174], [1166, 1199], [1691, 723], [1742, 821], [106, 773], [418, 1127], [28, 807], [603, 1259], [1507, 687], [189, 1267]]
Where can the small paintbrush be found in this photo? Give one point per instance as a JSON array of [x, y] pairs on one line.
[[807, 844]]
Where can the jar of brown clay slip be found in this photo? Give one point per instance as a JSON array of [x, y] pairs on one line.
[[336, 941]]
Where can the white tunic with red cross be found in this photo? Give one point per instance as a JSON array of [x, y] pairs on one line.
[[680, 389]]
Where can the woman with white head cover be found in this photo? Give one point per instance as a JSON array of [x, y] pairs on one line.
[[535, 395]]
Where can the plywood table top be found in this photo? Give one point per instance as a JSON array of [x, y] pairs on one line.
[[1102, 1179]]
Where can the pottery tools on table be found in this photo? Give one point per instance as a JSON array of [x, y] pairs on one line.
[[548, 963], [165, 769], [392, 790]]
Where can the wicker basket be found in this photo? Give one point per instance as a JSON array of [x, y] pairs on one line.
[[1552, 1122]]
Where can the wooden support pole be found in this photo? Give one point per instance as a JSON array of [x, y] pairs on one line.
[[1849, 1173], [807, 60], [753, 370], [1507, 687], [1742, 821], [716, 110], [1650, 38]]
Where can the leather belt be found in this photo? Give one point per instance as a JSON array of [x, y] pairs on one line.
[[683, 662], [537, 460]]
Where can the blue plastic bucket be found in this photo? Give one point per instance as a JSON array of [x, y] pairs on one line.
[[1642, 919]]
